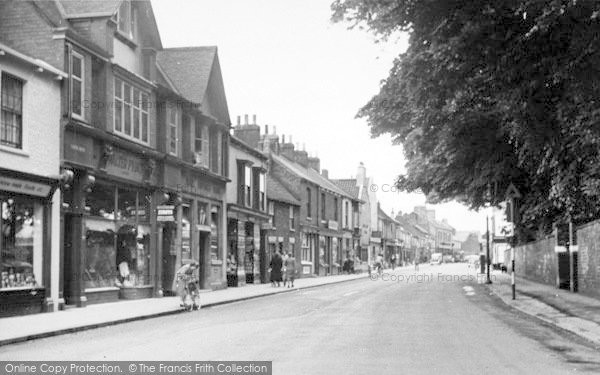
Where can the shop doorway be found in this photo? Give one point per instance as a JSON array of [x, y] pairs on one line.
[[169, 257], [249, 252], [68, 260], [203, 246], [264, 263]]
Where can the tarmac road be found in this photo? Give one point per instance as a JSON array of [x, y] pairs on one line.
[[439, 320]]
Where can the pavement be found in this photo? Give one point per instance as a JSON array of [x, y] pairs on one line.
[[28, 327], [569, 311]]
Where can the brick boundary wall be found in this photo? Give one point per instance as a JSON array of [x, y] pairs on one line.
[[537, 261], [588, 265]]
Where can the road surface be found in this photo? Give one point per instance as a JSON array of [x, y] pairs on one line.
[[438, 320]]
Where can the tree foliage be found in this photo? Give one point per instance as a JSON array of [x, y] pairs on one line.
[[493, 92]]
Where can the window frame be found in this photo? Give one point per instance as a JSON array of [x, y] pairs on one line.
[[335, 209], [170, 128], [135, 106], [323, 207], [21, 140], [308, 203], [128, 21], [247, 186], [262, 191], [291, 219], [77, 55]]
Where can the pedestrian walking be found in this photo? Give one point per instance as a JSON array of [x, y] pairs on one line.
[[393, 261], [290, 270], [276, 265]]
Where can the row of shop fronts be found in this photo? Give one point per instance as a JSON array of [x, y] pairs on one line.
[[127, 220], [122, 221]]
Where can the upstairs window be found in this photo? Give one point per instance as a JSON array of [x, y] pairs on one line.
[[77, 84], [125, 18], [262, 196], [308, 203], [335, 209], [172, 129], [346, 215], [291, 216], [131, 111], [201, 151], [247, 186], [323, 209], [11, 121]]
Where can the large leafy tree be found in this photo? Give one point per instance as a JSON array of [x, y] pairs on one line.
[[491, 92]]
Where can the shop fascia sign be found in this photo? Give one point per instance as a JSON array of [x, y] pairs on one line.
[[165, 213], [24, 187], [332, 224]]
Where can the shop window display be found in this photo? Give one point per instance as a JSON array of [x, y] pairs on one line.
[[117, 238], [21, 241], [186, 231], [214, 233]]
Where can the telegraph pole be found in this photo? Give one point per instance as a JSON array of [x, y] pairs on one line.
[[487, 243], [512, 194], [487, 234]]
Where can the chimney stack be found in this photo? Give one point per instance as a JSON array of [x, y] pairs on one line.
[[239, 120], [249, 134], [287, 149], [253, 119], [314, 163], [266, 129], [325, 173], [301, 156]]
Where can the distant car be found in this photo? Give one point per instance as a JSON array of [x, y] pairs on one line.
[[436, 258]]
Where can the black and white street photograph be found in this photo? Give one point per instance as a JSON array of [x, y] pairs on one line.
[[300, 187]]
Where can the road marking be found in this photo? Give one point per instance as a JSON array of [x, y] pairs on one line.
[[350, 293]]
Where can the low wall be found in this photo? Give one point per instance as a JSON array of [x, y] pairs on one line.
[[588, 262], [537, 261]]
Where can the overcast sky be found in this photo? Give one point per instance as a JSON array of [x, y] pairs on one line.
[[284, 61]]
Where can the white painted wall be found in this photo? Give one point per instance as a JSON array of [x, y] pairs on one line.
[[126, 57], [40, 154]]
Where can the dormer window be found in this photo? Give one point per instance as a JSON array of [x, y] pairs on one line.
[[126, 19]]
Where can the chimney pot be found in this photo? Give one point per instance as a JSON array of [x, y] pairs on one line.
[[254, 119], [246, 119]]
